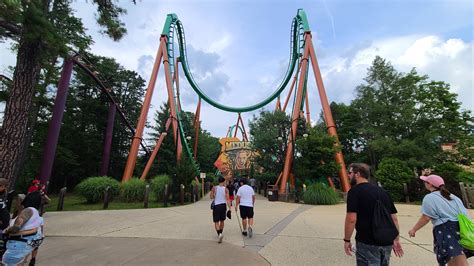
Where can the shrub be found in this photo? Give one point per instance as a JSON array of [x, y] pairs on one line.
[[158, 185], [93, 188], [193, 184], [392, 173], [466, 177], [449, 172], [133, 190], [320, 194]]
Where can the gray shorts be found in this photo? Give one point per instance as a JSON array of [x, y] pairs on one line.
[[369, 255]]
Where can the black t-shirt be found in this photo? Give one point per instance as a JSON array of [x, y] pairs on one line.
[[361, 200], [231, 188]]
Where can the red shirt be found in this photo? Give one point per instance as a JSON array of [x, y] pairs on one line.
[[33, 188]]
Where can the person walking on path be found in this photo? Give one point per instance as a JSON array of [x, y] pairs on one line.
[[361, 203], [231, 188], [220, 194], [245, 202], [441, 208]]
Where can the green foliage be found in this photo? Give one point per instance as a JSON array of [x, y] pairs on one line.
[[211, 177], [193, 184], [158, 185], [466, 177], [392, 173], [133, 190], [269, 136], [93, 188], [320, 194], [315, 155], [402, 115], [266, 177], [449, 172]]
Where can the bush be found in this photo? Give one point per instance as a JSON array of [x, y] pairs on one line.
[[466, 177], [193, 184], [133, 190], [158, 185], [93, 188], [449, 172], [320, 194], [392, 173]]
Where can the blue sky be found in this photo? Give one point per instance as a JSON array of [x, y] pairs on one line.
[[238, 50]]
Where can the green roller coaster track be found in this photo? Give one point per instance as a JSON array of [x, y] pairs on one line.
[[173, 25]]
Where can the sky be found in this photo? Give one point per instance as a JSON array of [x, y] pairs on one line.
[[239, 50]]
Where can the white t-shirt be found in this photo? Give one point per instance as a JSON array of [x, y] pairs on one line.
[[245, 193]]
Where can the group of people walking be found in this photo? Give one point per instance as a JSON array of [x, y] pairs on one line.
[[440, 207], [23, 233], [223, 197]]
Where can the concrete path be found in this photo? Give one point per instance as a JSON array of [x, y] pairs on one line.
[[284, 234]]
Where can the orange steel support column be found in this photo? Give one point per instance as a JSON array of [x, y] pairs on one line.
[[155, 150], [294, 120], [179, 146], [278, 104], [236, 127], [331, 127], [308, 116], [244, 132], [291, 89], [132, 155], [172, 103], [196, 127]]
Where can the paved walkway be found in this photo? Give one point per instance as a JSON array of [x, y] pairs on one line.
[[284, 234]]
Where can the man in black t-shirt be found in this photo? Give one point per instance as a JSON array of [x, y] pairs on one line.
[[360, 210]]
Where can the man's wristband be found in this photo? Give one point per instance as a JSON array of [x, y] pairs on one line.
[[348, 241]]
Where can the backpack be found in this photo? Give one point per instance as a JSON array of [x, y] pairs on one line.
[[383, 228]]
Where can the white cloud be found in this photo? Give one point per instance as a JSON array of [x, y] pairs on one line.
[[449, 60]]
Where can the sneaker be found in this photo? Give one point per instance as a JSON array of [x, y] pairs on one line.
[[244, 233], [250, 232], [220, 238]]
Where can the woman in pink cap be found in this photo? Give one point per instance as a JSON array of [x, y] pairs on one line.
[[442, 208]]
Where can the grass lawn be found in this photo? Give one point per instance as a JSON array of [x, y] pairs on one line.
[[73, 202]]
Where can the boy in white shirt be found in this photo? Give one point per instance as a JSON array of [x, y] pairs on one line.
[[245, 202]]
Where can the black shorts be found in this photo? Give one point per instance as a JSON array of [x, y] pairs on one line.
[[246, 212], [218, 213]]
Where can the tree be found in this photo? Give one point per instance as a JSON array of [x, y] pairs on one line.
[[80, 145], [42, 30], [315, 155], [208, 146], [269, 136], [404, 116], [392, 173]]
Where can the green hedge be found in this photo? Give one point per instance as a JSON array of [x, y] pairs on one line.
[[93, 188], [158, 185], [320, 194], [392, 173], [133, 190]]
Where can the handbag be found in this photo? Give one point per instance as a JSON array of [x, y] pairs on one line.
[[212, 205], [466, 228], [466, 231]]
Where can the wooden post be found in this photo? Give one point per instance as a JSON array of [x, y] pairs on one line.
[[405, 190], [62, 194], [196, 189], [181, 194], [165, 197], [147, 194], [106, 198], [464, 195]]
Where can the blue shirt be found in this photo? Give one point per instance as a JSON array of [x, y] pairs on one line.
[[441, 210]]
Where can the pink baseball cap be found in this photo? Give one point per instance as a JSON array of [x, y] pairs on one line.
[[434, 180]]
